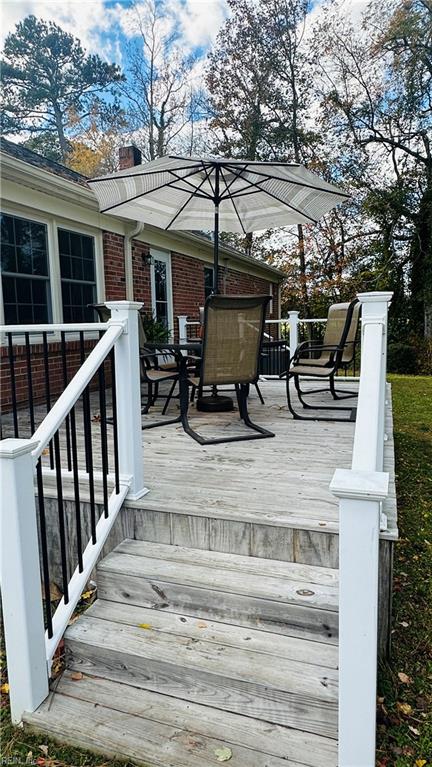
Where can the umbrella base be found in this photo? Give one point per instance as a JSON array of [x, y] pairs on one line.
[[215, 404]]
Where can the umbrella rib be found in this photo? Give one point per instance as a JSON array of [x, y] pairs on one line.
[[193, 194], [208, 176], [143, 194], [233, 203], [189, 183], [270, 194], [266, 177], [144, 173]]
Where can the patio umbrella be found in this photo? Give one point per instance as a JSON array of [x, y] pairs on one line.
[[191, 193]]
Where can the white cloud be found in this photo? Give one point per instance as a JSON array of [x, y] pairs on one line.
[[86, 19]]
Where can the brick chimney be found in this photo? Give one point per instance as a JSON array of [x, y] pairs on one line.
[[129, 156]]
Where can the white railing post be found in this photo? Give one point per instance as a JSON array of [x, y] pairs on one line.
[[374, 311], [182, 328], [21, 579], [128, 391], [293, 321], [361, 494]]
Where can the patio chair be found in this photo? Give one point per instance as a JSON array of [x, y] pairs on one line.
[[336, 351], [152, 371], [233, 333]]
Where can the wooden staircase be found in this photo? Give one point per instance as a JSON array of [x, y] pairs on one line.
[[190, 657]]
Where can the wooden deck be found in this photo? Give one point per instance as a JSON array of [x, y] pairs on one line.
[[216, 623]]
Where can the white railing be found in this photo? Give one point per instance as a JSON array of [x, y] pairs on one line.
[[29, 649], [361, 491]]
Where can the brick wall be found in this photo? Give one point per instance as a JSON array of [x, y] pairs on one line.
[[114, 268], [55, 368]]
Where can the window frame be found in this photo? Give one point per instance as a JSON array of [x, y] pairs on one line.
[[53, 224], [164, 256]]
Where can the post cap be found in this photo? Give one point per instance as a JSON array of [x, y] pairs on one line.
[[123, 305], [360, 485], [13, 447], [375, 297]]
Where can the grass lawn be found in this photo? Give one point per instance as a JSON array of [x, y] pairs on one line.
[[405, 685]]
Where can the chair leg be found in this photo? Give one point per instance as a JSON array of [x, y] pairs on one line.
[[351, 410], [168, 399], [156, 394], [258, 390], [149, 402]]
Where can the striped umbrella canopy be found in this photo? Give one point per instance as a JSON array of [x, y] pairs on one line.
[[190, 193]]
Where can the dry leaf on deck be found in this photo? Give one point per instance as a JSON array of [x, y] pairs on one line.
[[146, 626], [223, 754], [76, 676]]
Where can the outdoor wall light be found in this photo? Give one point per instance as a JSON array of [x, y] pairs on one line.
[[148, 259]]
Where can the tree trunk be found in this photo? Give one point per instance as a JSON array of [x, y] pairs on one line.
[[64, 144], [421, 270], [303, 277]]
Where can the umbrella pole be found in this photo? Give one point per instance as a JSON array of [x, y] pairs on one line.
[[215, 403], [216, 234]]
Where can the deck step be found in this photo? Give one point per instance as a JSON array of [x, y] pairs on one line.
[[285, 682], [149, 728], [282, 597]]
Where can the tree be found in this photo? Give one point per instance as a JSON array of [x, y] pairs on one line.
[[377, 99], [259, 84], [46, 77], [159, 89]]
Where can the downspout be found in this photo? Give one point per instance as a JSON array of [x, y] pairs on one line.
[[128, 259]]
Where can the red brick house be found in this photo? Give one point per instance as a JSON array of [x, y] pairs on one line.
[[60, 254]]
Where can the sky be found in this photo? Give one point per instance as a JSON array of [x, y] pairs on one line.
[[104, 26]]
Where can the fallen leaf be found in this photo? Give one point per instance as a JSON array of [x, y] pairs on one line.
[[223, 754], [76, 676], [404, 678], [87, 594], [5, 688], [45, 451], [44, 749], [404, 708], [414, 730], [404, 624], [146, 626], [201, 625], [420, 762]]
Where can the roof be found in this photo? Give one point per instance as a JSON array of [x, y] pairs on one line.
[[39, 161], [21, 153]]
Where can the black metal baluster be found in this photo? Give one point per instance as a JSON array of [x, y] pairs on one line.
[[104, 444], [115, 431], [65, 383], [44, 549], [47, 390], [29, 382], [76, 489], [13, 384], [61, 517], [88, 446]]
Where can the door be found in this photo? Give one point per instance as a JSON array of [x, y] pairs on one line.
[[161, 289]]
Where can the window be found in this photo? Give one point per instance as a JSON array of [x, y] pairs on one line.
[[24, 267], [78, 276], [208, 281]]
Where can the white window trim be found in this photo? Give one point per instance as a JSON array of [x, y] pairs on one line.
[[53, 224], [163, 255]]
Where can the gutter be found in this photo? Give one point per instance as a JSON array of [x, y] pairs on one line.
[[138, 228]]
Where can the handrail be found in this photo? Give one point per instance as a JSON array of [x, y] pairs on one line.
[[53, 420], [53, 328]]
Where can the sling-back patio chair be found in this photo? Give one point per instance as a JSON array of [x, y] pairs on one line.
[[322, 360], [152, 371], [201, 320], [231, 350]]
